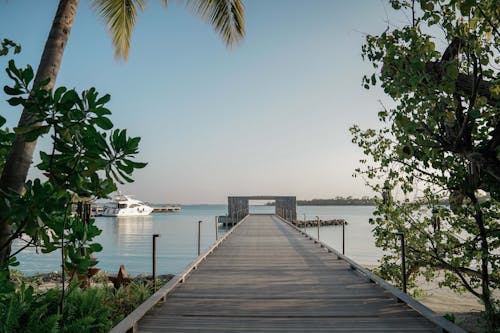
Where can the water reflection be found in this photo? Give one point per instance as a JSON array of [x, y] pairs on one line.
[[128, 229], [128, 240]]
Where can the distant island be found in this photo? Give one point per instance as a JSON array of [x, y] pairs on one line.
[[338, 201]]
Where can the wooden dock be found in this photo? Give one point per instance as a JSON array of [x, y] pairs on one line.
[[166, 209], [267, 276]]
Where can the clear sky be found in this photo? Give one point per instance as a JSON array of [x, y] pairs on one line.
[[270, 116]]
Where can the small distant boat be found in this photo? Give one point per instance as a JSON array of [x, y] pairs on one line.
[[124, 205]]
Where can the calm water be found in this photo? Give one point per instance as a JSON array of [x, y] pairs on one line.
[[128, 240]]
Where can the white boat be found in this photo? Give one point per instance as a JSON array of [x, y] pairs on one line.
[[124, 205]]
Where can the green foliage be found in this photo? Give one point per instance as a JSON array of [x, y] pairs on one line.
[[124, 300], [26, 311], [226, 17], [440, 142], [86, 159], [86, 310], [450, 317], [94, 309], [7, 45]]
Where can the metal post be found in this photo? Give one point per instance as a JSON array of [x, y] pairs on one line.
[[343, 237], [199, 236], [304, 225], [317, 218], [403, 259], [216, 228], [154, 260]]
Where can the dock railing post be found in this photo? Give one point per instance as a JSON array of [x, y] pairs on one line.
[[199, 237], [304, 225], [216, 228], [154, 260], [317, 218], [403, 259], [343, 237]]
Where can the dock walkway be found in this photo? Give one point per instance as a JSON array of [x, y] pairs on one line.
[[268, 277]]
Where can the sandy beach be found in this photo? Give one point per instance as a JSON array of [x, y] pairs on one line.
[[465, 307]]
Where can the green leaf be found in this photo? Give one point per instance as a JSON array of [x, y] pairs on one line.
[[13, 69], [133, 143], [96, 247], [103, 123], [28, 74], [136, 165], [452, 71], [475, 113], [104, 99], [12, 91], [58, 93], [70, 98], [15, 101], [101, 111]]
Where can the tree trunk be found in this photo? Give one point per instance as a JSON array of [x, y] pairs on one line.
[[19, 159]]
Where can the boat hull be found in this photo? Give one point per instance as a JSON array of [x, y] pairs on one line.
[[142, 211]]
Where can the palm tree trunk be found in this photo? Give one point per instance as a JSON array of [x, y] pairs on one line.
[[19, 159]]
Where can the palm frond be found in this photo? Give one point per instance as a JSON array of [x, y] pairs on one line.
[[226, 16], [120, 17]]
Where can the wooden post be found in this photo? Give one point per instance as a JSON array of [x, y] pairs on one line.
[[403, 259], [199, 237], [216, 228], [343, 237], [154, 260], [318, 226]]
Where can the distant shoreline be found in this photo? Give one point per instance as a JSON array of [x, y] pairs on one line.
[[334, 202]]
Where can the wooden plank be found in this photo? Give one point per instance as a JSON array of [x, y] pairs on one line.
[[170, 323]]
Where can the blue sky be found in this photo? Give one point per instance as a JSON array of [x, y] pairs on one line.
[[270, 116]]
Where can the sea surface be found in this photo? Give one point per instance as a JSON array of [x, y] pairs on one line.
[[128, 240]]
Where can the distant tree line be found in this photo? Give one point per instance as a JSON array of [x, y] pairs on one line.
[[337, 201]]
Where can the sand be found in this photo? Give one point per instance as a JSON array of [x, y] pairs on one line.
[[466, 308]]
